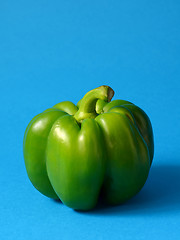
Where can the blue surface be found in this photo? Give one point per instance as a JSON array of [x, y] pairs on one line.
[[52, 51]]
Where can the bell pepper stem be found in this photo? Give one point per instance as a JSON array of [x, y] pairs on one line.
[[88, 102]]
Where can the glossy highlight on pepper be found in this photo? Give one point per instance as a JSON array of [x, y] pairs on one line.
[[74, 153]]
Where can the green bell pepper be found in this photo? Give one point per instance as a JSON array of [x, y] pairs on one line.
[[74, 153]]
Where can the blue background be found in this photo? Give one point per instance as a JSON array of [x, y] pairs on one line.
[[51, 51]]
